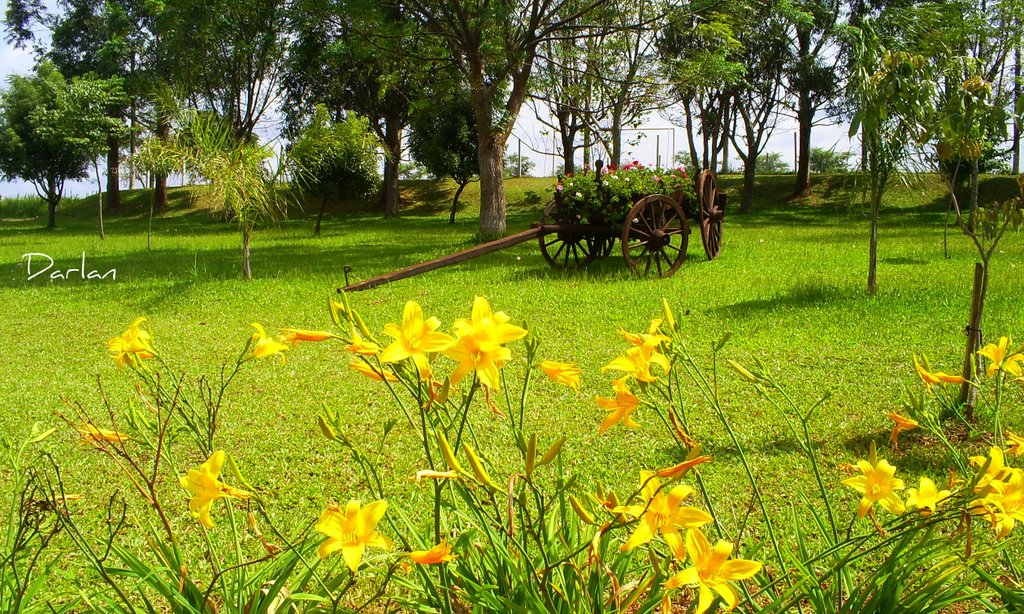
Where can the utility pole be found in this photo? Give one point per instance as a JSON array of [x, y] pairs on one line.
[[520, 160]]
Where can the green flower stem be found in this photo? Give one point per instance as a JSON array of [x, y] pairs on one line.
[[465, 411], [699, 377], [700, 480], [808, 447], [394, 394]]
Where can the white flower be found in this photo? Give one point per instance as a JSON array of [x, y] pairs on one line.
[[578, 195]]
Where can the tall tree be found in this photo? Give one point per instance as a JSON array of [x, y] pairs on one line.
[[227, 56], [891, 90], [51, 129], [445, 143], [812, 76], [629, 75], [351, 56], [699, 51], [756, 96], [494, 46], [98, 37], [567, 84], [330, 159]]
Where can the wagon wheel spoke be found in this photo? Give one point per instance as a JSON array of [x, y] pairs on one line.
[[561, 247], [654, 236]]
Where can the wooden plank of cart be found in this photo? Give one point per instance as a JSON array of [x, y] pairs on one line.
[[654, 235]]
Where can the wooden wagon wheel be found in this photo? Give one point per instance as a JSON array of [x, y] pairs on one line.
[[711, 213], [655, 235], [567, 248]]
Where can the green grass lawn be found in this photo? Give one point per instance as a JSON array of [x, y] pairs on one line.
[[789, 285]]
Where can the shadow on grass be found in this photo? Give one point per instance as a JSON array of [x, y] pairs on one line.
[[798, 296]]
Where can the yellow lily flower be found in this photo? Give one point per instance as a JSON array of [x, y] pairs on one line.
[[132, 346], [649, 341], [206, 488], [930, 379], [566, 374], [877, 485], [92, 434], [712, 570], [361, 346], [903, 423], [414, 339], [351, 530], [998, 355], [637, 362], [661, 513], [996, 469], [621, 407], [294, 335], [927, 498], [1016, 444], [371, 372], [263, 346], [1007, 502], [478, 344], [441, 553]]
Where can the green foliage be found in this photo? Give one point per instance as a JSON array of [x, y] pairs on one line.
[[227, 54], [772, 163], [444, 137], [585, 198], [829, 161], [331, 158], [50, 129], [28, 525], [517, 166], [238, 180]]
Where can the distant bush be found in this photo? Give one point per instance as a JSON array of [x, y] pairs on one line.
[[829, 161], [22, 206]]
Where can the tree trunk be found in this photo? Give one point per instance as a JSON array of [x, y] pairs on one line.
[[805, 117], [246, 270], [968, 393], [491, 155], [132, 146], [1015, 139], [393, 143], [455, 201], [726, 111], [586, 147], [568, 138], [974, 190], [320, 216], [749, 174], [113, 173], [616, 136], [163, 132], [52, 216], [99, 195], [694, 160], [149, 228], [876, 197]]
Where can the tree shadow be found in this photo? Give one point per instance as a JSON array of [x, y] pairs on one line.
[[797, 296]]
